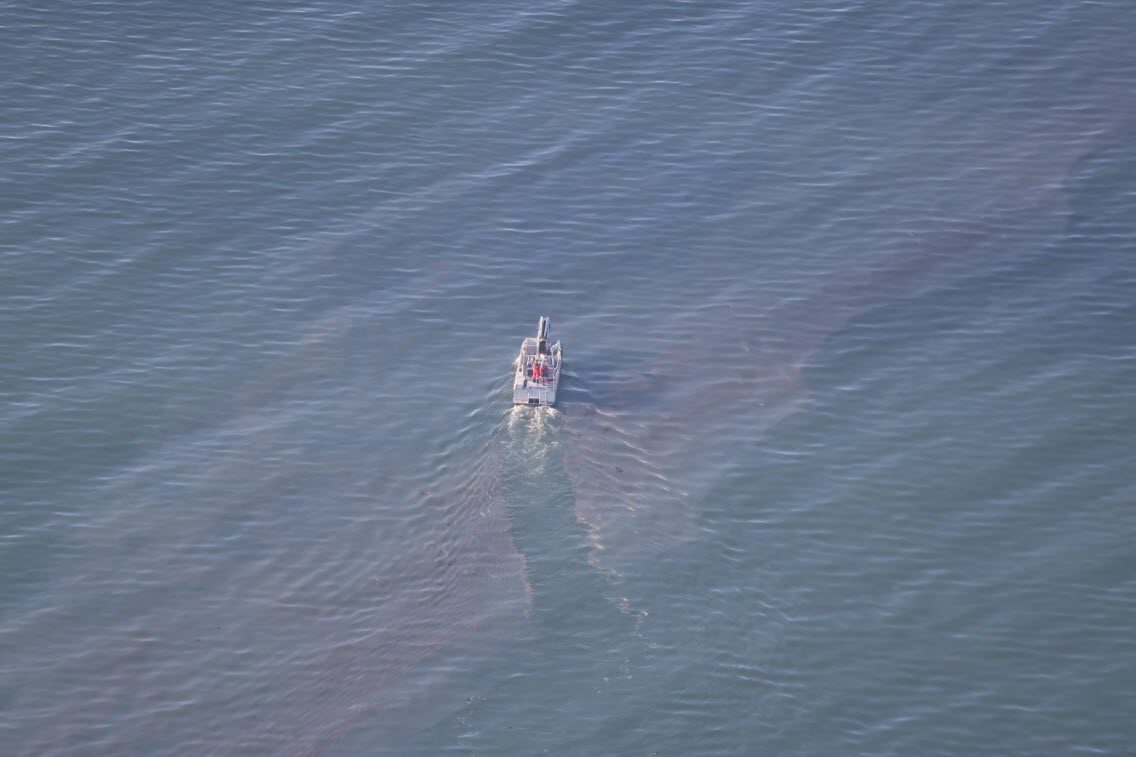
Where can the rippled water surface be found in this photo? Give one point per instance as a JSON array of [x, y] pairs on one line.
[[842, 458]]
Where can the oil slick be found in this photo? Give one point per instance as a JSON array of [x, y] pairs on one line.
[[267, 575], [373, 590], [704, 386]]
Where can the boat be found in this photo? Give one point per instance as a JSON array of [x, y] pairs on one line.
[[537, 369]]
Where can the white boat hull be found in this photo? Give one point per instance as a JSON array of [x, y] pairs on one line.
[[537, 370]]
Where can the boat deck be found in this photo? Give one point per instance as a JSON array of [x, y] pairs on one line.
[[539, 389]]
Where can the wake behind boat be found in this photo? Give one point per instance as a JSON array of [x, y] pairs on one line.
[[538, 369]]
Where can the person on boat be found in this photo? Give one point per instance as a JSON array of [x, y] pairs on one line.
[[538, 371]]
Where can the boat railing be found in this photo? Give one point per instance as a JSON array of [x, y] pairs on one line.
[[550, 363]]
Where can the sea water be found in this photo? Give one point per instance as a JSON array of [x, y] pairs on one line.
[[842, 462]]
